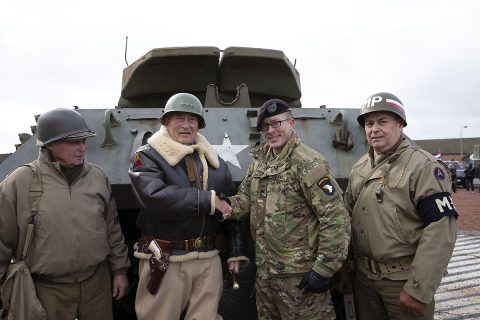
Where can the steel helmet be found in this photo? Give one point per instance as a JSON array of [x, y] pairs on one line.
[[185, 102], [382, 101], [61, 124]]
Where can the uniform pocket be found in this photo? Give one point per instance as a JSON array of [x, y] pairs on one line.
[[401, 235]]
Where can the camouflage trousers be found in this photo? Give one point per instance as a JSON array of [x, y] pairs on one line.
[[279, 298]]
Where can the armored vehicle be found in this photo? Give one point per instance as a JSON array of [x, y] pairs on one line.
[[232, 83]]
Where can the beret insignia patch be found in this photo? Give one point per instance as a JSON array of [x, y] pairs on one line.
[[137, 161], [272, 108], [438, 173], [326, 185]]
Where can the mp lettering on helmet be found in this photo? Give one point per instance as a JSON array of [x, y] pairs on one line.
[[370, 102]]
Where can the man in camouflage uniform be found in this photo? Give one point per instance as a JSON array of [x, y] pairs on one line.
[[403, 218], [297, 218]]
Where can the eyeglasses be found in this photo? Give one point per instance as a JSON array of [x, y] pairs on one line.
[[273, 124]]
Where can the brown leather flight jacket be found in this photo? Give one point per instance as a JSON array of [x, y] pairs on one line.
[[172, 207]]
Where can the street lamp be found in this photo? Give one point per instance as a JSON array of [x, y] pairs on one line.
[[461, 142]]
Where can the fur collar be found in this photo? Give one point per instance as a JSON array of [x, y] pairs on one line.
[[173, 152]]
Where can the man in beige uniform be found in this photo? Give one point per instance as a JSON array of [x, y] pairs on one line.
[[77, 242], [403, 218]]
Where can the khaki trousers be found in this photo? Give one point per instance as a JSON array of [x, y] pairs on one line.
[[90, 299], [194, 285], [380, 299], [279, 298]]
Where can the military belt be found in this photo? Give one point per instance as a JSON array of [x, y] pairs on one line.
[[376, 267], [208, 242]]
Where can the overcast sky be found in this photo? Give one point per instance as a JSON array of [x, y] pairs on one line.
[[66, 53]]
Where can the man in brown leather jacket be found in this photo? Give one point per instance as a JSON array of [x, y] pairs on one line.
[[178, 180], [403, 218]]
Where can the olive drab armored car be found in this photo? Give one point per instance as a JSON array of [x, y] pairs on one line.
[[232, 84]]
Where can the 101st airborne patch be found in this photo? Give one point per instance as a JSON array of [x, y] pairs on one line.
[[326, 185]]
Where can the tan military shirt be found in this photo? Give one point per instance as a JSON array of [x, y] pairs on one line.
[[402, 210]]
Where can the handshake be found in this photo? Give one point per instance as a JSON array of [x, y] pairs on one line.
[[222, 207]]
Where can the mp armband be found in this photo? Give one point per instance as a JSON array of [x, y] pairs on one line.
[[435, 207]]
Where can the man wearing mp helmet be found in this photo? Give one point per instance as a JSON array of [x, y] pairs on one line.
[[403, 218]]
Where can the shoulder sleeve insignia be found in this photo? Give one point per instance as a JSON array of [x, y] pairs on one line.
[[326, 185], [137, 161], [438, 173]]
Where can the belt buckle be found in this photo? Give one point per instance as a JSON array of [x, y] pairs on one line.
[[373, 266], [199, 243]]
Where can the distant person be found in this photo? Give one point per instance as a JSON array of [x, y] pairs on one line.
[[78, 242], [478, 175], [297, 219], [404, 223], [453, 174], [469, 174]]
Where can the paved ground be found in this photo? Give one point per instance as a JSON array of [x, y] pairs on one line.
[[468, 207], [458, 297]]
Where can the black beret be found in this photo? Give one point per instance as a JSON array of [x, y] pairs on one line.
[[271, 108]]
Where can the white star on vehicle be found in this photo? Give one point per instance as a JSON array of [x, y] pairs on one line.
[[228, 152]]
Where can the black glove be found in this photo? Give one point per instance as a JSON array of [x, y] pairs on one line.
[[218, 215], [236, 241], [314, 282]]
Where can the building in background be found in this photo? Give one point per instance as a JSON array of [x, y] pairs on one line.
[[449, 148]]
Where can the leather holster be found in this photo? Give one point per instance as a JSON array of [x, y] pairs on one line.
[[158, 266]]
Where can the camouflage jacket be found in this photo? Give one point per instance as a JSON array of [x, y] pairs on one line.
[[297, 216]]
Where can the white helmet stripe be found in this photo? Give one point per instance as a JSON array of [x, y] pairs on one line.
[[394, 103]]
